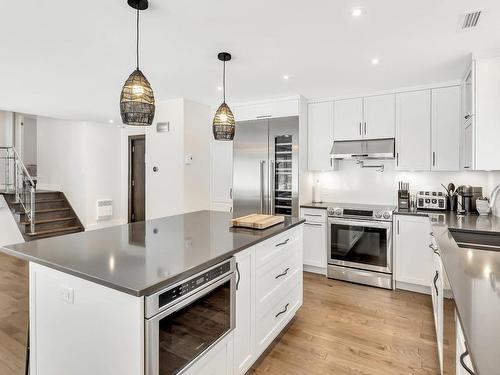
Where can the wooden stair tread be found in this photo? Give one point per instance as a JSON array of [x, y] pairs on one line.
[[49, 220], [55, 200], [52, 210], [53, 231]]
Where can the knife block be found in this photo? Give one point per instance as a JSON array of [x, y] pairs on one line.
[[403, 199]]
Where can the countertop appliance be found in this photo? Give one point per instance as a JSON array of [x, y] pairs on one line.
[[467, 196], [431, 200], [265, 170], [360, 244], [186, 319]]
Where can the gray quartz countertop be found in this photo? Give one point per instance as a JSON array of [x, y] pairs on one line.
[[474, 277], [141, 258]]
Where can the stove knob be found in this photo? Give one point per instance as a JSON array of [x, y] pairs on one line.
[[330, 211], [338, 212], [378, 215], [387, 215]]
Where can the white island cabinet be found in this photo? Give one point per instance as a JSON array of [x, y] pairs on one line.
[[95, 323]]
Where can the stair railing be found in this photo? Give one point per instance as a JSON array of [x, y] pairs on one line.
[[17, 180]]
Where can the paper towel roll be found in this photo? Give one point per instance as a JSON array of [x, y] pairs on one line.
[[316, 192]]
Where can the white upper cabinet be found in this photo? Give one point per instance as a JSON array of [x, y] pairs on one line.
[[319, 136], [445, 125], [273, 109], [348, 119], [379, 116], [222, 171], [413, 130]]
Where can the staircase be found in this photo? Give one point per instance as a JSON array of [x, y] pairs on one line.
[[54, 216]]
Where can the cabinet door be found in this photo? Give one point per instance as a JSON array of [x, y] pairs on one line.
[[437, 303], [244, 332], [379, 116], [222, 171], [468, 154], [413, 130], [445, 126], [315, 244], [319, 136], [348, 119], [412, 255]]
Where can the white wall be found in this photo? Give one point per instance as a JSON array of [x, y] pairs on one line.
[[353, 184], [29, 141], [82, 160], [9, 233]]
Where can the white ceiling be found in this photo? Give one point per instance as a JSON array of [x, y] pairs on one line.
[[69, 59]]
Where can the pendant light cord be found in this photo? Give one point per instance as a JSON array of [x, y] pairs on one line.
[[137, 41], [224, 80]]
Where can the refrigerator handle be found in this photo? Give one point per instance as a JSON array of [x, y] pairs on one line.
[[272, 181], [262, 162]]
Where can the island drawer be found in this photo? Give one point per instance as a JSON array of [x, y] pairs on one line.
[[272, 321], [314, 215], [277, 245], [274, 275]]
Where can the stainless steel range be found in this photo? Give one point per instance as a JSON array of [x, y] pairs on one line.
[[360, 244]]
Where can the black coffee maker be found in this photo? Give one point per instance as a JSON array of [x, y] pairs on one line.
[[467, 196]]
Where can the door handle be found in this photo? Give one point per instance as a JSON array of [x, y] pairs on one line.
[[283, 311], [231, 193], [360, 129], [271, 187], [435, 285], [462, 362], [282, 274], [282, 243], [433, 158], [262, 162], [365, 128], [397, 158], [239, 276]]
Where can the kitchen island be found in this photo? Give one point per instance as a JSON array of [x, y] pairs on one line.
[[91, 293]]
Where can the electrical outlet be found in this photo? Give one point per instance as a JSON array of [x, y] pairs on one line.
[[67, 294]]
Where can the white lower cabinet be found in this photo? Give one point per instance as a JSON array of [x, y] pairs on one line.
[[269, 293], [244, 333], [413, 261], [315, 239], [463, 362], [437, 292]]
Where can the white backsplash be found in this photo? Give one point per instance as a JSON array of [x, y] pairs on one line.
[[353, 184]]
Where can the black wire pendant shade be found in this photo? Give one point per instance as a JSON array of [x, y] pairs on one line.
[[137, 102], [223, 125]]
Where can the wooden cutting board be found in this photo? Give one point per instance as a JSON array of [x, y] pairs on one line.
[[257, 221]]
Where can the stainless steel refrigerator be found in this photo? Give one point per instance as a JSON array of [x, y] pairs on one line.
[[265, 170]]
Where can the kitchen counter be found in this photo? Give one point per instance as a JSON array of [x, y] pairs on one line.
[[474, 277], [141, 258], [320, 205]]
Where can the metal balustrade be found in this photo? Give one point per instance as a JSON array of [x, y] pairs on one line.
[[15, 179]]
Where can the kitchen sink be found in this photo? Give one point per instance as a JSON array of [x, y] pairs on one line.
[[474, 240]]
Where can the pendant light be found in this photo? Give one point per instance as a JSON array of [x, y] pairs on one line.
[[137, 102], [223, 124]]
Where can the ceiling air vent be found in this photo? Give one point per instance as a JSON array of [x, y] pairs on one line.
[[468, 21]]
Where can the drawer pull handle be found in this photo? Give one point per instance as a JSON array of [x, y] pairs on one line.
[[462, 362], [314, 224], [435, 286], [434, 249], [283, 311], [315, 215], [282, 274], [283, 243], [239, 276]]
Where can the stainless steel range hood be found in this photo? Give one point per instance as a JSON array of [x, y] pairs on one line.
[[363, 149]]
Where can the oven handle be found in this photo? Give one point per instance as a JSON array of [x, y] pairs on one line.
[[194, 297], [362, 223]]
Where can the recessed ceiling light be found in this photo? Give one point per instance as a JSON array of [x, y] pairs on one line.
[[358, 12], [375, 61], [286, 77], [219, 88], [111, 121]]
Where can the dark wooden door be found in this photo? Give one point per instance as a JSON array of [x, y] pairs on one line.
[[137, 179]]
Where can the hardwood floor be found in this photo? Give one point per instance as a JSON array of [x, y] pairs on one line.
[[13, 314], [345, 328]]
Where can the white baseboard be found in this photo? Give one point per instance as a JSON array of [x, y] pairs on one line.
[[413, 287], [315, 269]]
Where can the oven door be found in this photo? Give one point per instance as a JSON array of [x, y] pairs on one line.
[[361, 244], [176, 337]]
